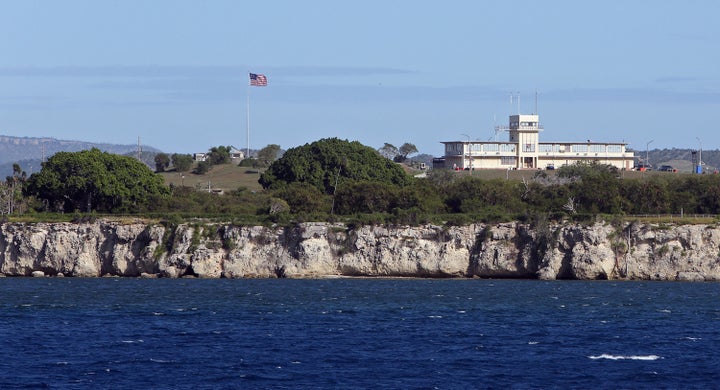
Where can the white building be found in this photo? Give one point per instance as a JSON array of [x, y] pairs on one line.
[[524, 150], [236, 154]]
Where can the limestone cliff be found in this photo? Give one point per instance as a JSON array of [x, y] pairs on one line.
[[508, 250]]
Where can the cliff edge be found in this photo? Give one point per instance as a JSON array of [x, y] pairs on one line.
[[507, 250]]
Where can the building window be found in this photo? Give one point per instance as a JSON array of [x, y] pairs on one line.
[[453, 148], [529, 148], [580, 148], [491, 147], [597, 148], [614, 149], [544, 148], [507, 148], [507, 161]]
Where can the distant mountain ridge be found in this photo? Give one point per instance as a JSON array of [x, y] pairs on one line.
[[14, 149], [30, 151], [680, 159]]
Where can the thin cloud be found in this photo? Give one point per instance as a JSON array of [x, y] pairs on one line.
[[635, 95], [679, 80], [232, 90], [214, 71], [170, 85]]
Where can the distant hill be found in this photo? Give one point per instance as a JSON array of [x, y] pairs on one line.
[[29, 151], [681, 159]]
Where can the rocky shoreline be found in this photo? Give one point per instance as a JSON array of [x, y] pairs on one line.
[[312, 250]]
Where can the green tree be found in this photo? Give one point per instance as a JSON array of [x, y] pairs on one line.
[[182, 162], [405, 150], [330, 162], [366, 197], [304, 198], [11, 199], [389, 151], [421, 194], [442, 178], [472, 195], [268, 155], [162, 161], [91, 180], [203, 167], [219, 155], [596, 188]]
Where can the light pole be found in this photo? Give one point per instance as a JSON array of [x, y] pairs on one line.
[[469, 152], [647, 154]]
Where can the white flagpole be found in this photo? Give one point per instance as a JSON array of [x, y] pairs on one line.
[[248, 118]]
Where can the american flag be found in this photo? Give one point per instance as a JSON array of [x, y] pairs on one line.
[[258, 80]]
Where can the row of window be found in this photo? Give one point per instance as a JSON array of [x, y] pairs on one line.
[[556, 148], [508, 161], [523, 124], [458, 148], [542, 148]]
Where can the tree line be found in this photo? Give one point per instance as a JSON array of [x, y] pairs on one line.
[[217, 155], [333, 179]]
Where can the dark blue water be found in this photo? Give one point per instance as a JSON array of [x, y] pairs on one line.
[[357, 333]]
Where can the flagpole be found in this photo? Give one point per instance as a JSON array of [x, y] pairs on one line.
[[248, 120]]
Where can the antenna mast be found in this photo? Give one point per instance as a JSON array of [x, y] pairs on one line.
[[139, 150]]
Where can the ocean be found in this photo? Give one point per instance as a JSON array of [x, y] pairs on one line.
[[70, 333]]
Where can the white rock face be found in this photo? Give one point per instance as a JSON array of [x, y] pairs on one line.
[[507, 250]]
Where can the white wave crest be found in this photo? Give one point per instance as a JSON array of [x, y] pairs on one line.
[[625, 357]]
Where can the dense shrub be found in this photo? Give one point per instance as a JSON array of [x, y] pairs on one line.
[[328, 163]]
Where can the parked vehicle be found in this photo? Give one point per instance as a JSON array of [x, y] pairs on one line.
[[667, 168]]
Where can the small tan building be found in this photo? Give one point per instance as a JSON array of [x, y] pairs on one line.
[[524, 150]]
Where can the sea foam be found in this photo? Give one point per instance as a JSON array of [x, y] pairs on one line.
[[625, 357]]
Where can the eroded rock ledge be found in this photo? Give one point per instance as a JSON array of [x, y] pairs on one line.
[[507, 250]]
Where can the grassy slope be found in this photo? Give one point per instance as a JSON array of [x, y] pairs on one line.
[[226, 177]]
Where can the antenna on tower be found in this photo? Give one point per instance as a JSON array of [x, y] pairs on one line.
[[495, 127], [139, 150]]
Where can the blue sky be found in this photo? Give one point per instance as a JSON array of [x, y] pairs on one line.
[[174, 72]]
